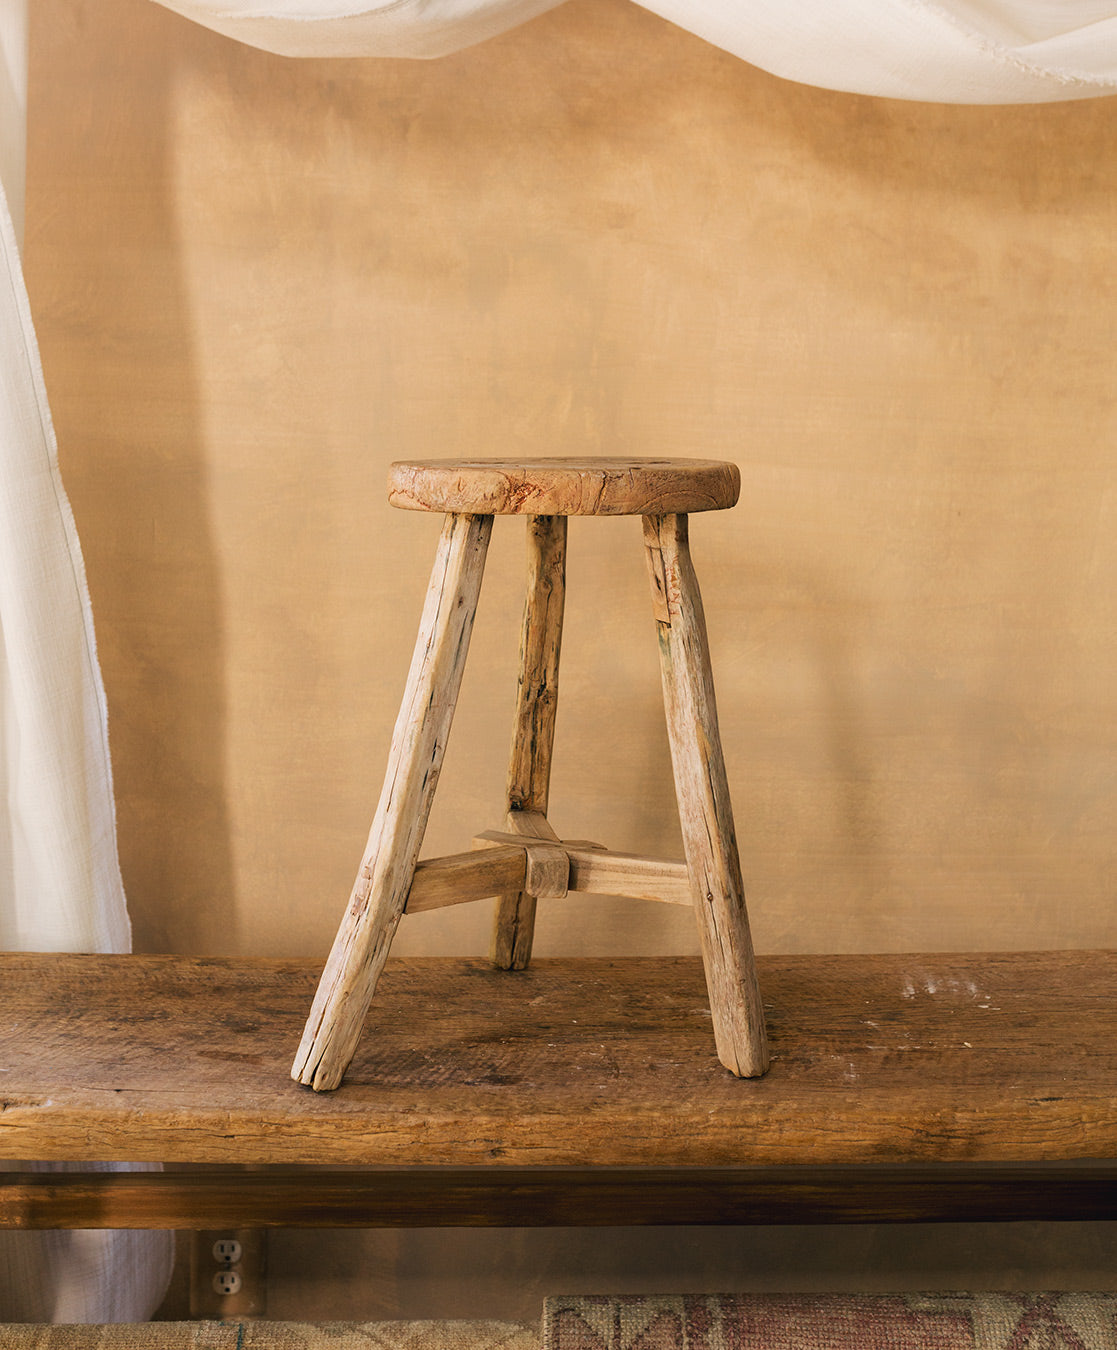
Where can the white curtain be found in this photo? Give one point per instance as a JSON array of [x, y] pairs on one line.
[[938, 51], [60, 887]]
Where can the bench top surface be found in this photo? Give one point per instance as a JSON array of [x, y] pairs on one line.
[[564, 487], [610, 1063]]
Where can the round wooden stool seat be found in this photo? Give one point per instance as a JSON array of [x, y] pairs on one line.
[[564, 487]]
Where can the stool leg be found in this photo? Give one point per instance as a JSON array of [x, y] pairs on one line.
[[418, 744], [533, 733], [703, 794]]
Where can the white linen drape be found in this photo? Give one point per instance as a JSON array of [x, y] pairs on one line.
[[60, 887], [939, 51], [13, 105]]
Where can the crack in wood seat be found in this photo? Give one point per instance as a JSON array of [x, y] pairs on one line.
[[527, 861], [564, 487]]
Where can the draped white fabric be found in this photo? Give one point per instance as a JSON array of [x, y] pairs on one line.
[[13, 104], [939, 51], [60, 887]]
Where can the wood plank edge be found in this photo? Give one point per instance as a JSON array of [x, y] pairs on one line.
[[565, 1197]]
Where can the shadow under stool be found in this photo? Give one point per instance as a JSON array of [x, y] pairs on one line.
[[526, 861]]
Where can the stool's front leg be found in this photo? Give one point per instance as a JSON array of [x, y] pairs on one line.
[[533, 733], [702, 789], [418, 744]]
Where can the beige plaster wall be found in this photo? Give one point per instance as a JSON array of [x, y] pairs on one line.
[[257, 281]]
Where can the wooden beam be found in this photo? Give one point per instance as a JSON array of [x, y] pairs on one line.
[[581, 1197], [496, 868], [461, 877], [602, 872]]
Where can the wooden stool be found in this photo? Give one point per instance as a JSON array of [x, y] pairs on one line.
[[527, 861]]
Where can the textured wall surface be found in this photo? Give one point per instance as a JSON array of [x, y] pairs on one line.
[[257, 281]]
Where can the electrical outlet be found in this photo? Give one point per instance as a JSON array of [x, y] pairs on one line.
[[227, 1251], [227, 1282], [227, 1273]]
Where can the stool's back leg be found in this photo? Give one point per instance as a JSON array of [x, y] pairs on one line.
[[533, 731], [414, 761], [703, 794]]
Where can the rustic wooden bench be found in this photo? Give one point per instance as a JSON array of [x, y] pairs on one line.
[[577, 1092]]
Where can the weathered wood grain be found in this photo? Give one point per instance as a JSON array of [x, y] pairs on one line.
[[604, 872], [564, 487], [497, 868], [875, 1059], [702, 790], [554, 1197], [514, 919], [414, 762], [533, 723], [547, 867], [460, 878]]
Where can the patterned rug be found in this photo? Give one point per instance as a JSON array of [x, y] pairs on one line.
[[833, 1322], [685, 1322]]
